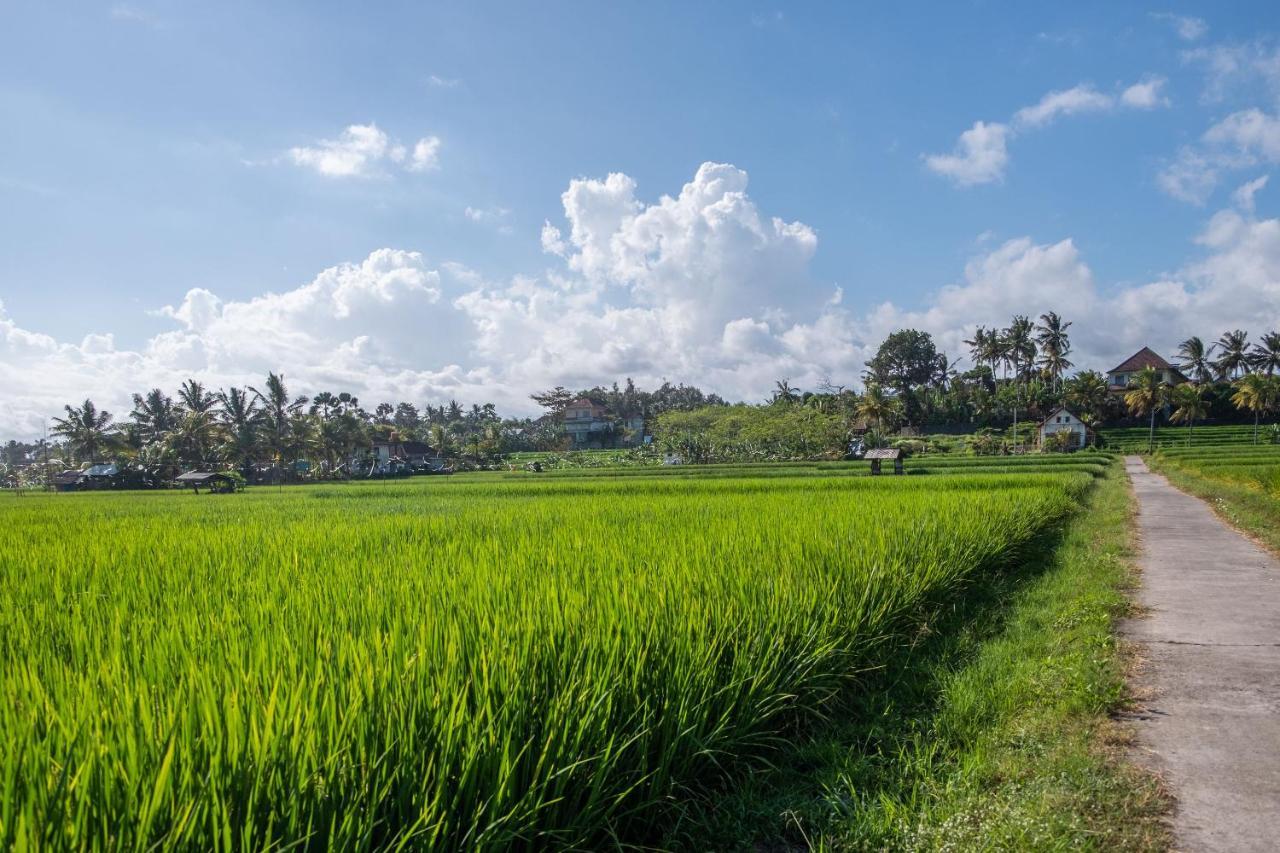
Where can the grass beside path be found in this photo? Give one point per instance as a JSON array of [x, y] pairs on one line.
[[992, 733]]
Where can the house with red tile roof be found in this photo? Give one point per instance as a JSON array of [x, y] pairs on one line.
[[1118, 377]]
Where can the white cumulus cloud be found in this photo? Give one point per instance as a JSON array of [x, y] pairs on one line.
[[1077, 99], [361, 150], [1145, 95], [426, 154], [981, 153], [1244, 139], [699, 286]]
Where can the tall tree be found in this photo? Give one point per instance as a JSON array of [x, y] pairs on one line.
[[1146, 394], [194, 397], [906, 360], [1189, 406], [240, 419], [784, 394], [1195, 360], [555, 400], [1265, 356], [1055, 346], [1256, 393], [86, 430], [324, 404], [154, 415], [277, 410], [1087, 392], [1233, 354], [878, 407], [985, 348], [1020, 346]]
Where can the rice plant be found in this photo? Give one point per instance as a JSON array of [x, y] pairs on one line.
[[460, 664]]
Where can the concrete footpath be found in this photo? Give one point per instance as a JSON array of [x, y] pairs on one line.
[[1209, 724]]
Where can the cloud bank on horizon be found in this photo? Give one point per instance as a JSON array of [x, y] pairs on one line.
[[700, 287]]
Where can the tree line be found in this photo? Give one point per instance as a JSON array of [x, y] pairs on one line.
[[265, 431], [1019, 372]]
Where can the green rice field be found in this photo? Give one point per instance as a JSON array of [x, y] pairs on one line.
[[1137, 439], [1257, 466], [1241, 483], [478, 662]]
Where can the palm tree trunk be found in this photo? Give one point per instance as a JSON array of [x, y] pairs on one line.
[[1255, 426], [1151, 440]]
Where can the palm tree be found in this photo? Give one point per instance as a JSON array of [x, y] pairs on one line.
[[784, 394], [192, 437], [1087, 391], [977, 345], [277, 411], [877, 406], [1189, 406], [1257, 394], [1051, 334], [324, 404], [984, 348], [240, 418], [154, 415], [1266, 355], [987, 347], [439, 439], [85, 430], [1233, 357], [1145, 396], [1020, 346], [194, 397], [1195, 360]]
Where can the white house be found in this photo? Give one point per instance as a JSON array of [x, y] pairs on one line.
[[1062, 420]]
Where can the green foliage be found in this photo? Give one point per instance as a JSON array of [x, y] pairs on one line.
[[1059, 442], [986, 443], [752, 433]]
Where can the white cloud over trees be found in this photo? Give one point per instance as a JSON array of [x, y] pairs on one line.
[[700, 286]]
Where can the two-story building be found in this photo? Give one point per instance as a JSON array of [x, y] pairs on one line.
[[1118, 377], [589, 424]]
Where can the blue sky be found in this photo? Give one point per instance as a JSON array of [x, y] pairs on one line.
[[155, 148]]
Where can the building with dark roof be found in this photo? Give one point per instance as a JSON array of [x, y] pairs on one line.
[[589, 424], [1118, 377]]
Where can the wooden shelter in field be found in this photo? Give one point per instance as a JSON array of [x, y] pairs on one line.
[[215, 481], [881, 453]]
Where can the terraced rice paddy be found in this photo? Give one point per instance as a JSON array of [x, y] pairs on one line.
[[471, 662], [1257, 466], [1137, 439]]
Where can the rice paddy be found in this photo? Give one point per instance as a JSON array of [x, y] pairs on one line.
[[1169, 437], [478, 662]]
